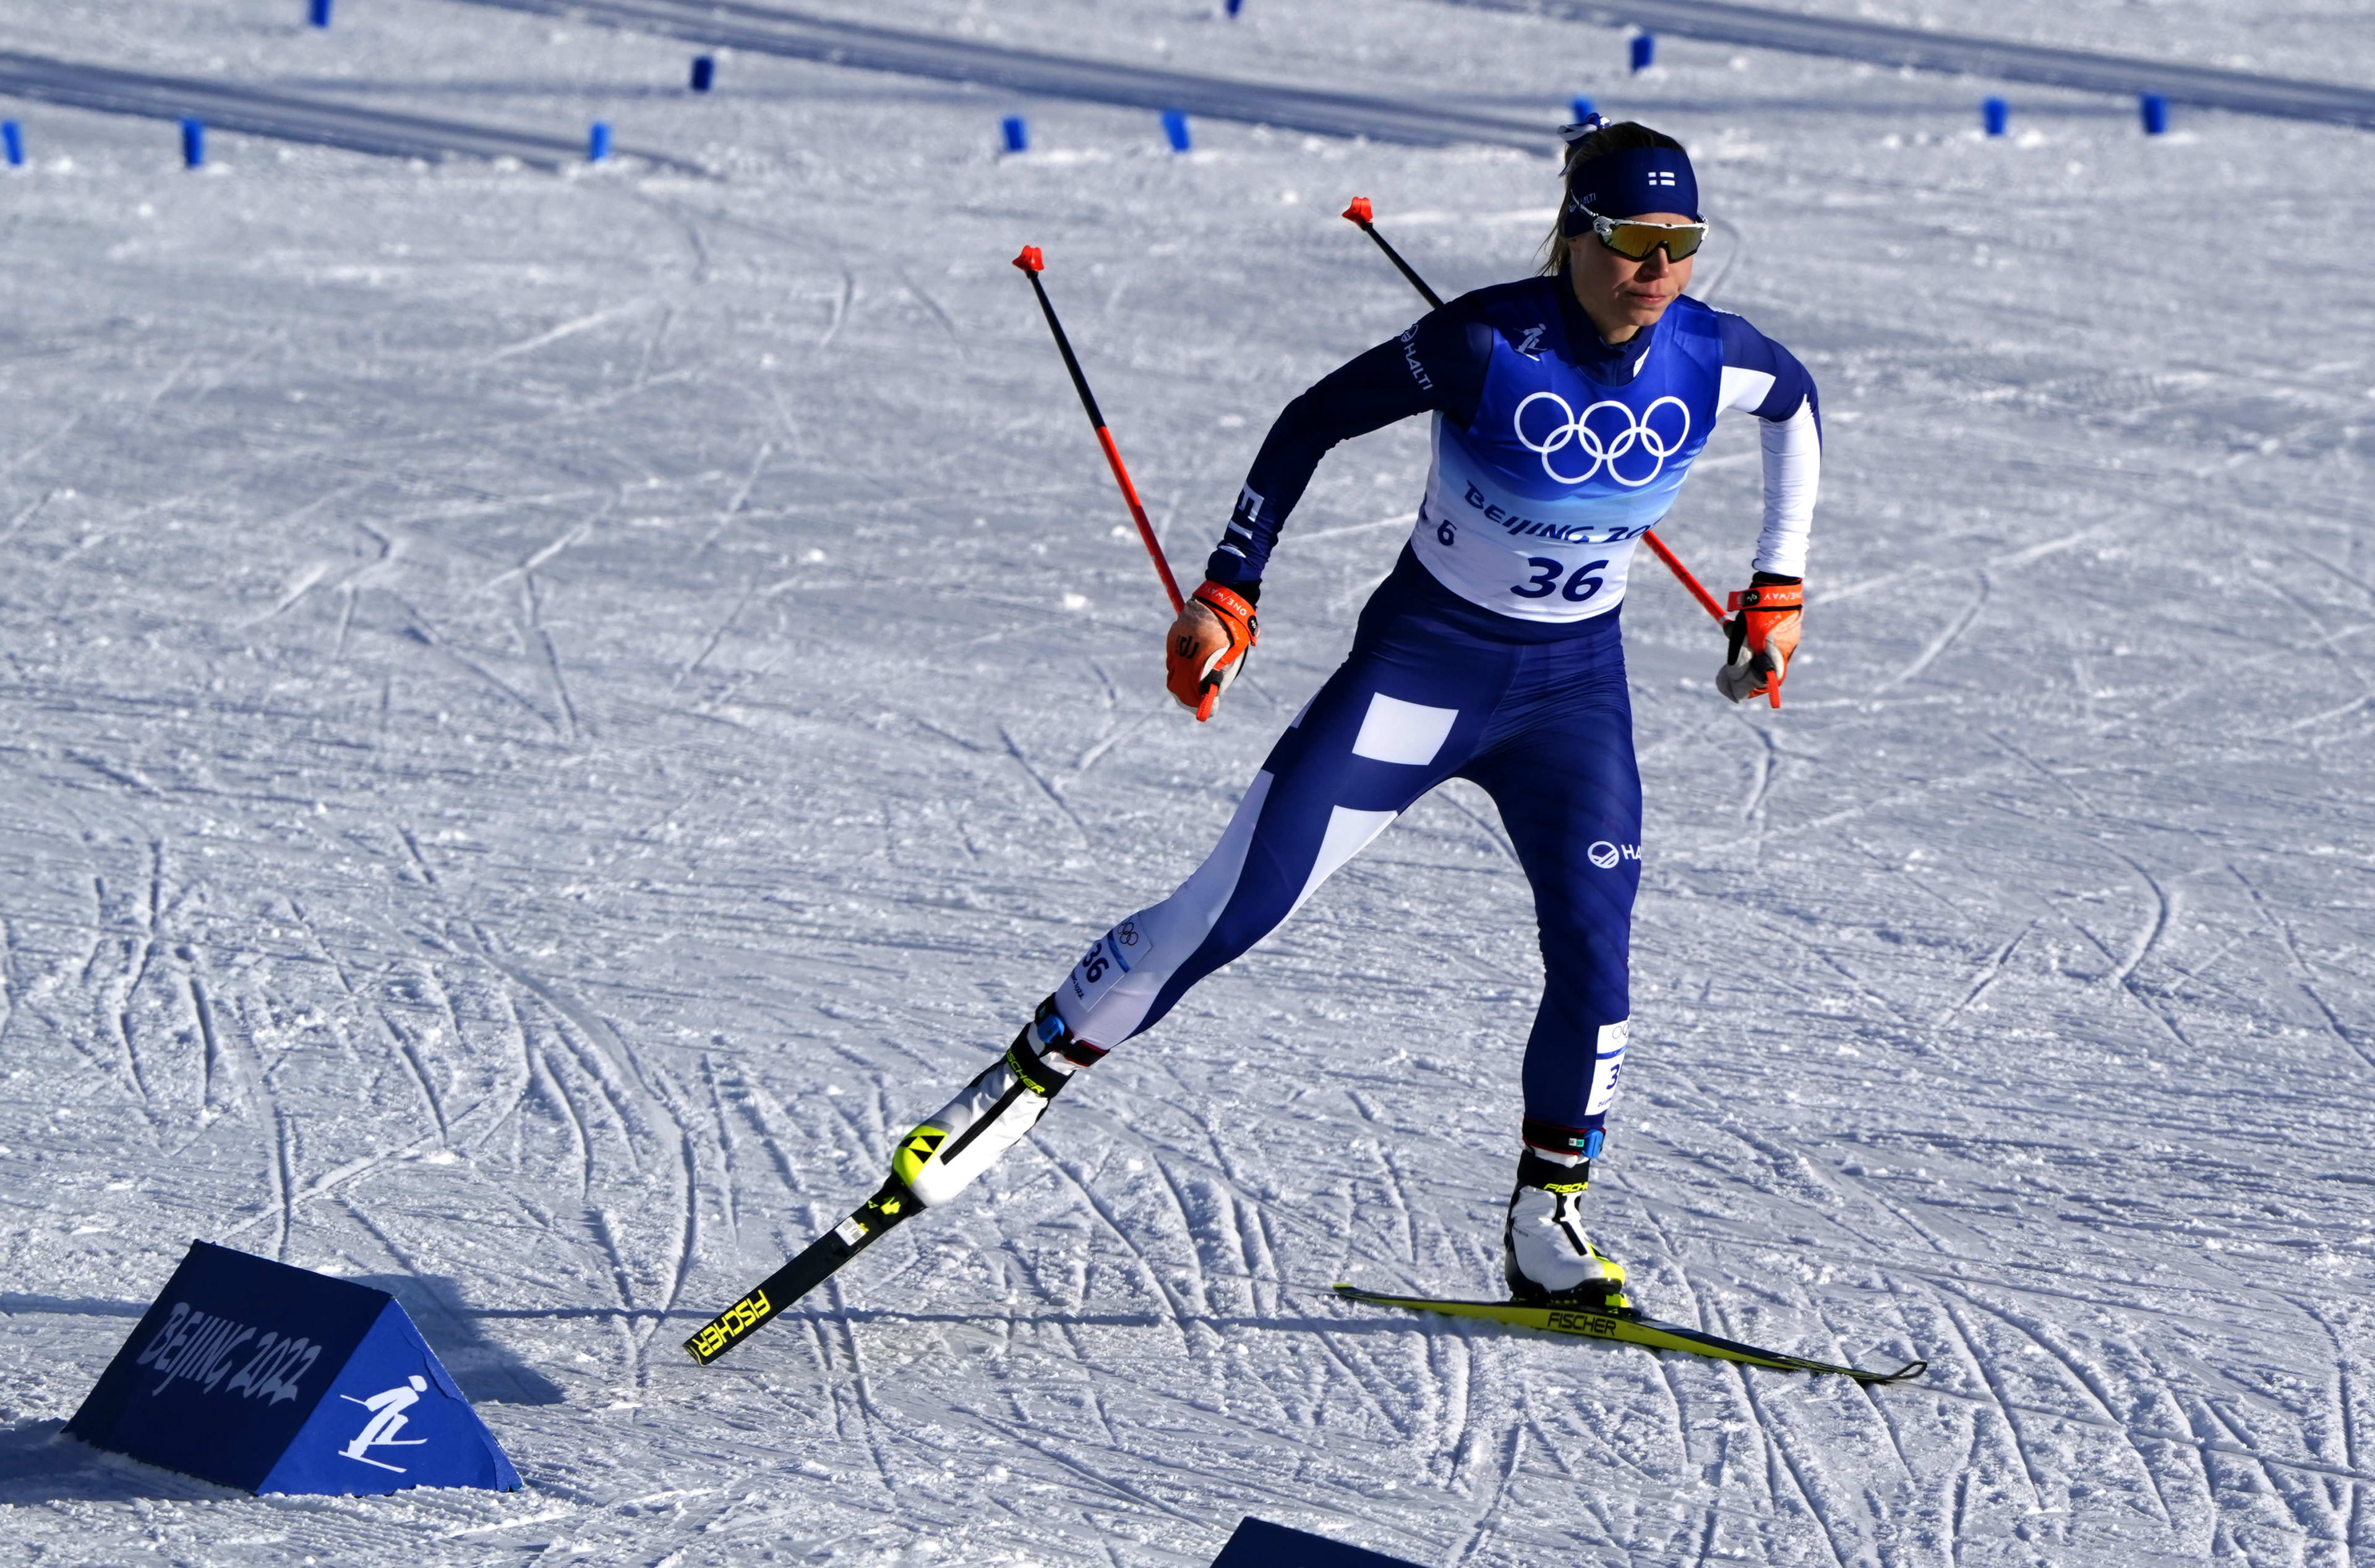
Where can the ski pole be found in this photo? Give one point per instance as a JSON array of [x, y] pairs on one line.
[[1683, 573], [1031, 264], [1362, 214]]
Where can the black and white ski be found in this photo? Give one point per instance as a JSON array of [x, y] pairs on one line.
[[894, 1204], [815, 1265]]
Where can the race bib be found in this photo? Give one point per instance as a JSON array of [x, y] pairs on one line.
[[1109, 959]]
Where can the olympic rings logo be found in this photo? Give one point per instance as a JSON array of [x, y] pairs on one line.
[[1605, 439]]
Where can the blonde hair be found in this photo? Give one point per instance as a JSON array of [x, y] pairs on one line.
[[1619, 137]]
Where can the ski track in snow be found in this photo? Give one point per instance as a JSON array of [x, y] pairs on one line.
[[548, 718]]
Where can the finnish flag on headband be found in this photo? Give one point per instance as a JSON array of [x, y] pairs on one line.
[[1628, 183]]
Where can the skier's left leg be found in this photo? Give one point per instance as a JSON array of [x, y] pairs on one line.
[[1562, 771], [1396, 717]]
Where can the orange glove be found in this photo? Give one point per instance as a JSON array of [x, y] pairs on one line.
[[1207, 646], [1764, 633]]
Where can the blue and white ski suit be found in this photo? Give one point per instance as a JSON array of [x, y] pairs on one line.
[[1491, 653]]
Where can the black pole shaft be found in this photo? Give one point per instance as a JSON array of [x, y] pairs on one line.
[[1395, 256], [1064, 347]]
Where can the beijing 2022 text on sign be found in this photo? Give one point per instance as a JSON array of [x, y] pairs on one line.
[[251, 1374]]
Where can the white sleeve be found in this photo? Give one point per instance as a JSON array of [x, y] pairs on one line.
[[1793, 472]]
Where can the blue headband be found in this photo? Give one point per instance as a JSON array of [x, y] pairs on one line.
[[1628, 183]]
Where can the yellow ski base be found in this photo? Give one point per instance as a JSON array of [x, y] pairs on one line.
[[1642, 1331]]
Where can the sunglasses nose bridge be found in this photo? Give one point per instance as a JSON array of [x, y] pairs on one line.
[[1620, 237], [1690, 245]]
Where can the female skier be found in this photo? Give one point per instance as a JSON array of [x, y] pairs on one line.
[[1567, 409]]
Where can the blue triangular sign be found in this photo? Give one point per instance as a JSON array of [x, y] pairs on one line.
[[254, 1375], [1260, 1544], [390, 1420]]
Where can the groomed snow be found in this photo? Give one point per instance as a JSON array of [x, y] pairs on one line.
[[545, 719]]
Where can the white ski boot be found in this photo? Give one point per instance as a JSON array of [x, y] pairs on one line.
[[940, 1158], [1550, 1261]]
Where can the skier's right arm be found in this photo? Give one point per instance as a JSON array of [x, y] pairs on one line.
[[1436, 366]]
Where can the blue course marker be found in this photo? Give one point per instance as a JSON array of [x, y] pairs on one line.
[[1235, 5], [2154, 108], [318, 13], [12, 143], [704, 72], [597, 142], [377, 1414], [1175, 129], [194, 143], [1645, 51], [1260, 1544], [1583, 109], [1018, 135], [1995, 115]]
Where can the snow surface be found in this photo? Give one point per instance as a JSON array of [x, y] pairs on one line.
[[546, 719]]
